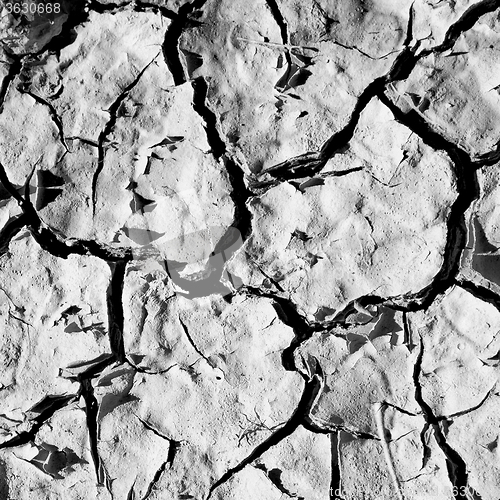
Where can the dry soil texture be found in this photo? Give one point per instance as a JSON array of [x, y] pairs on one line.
[[248, 250]]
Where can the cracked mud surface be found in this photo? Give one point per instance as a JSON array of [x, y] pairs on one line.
[[248, 250]]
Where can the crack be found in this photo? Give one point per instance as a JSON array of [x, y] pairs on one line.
[[280, 20], [101, 8], [53, 114], [311, 390], [408, 335], [108, 128], [362, 52], [287, 312], [77, 15], [274, 476], [336, 478], [285, 39], [114, 301], [15, 69], [77, 372], [172, 450], [135, 5], [170, 48], [449, 418], [149, 372], [154, 430], [310, 163], [239, 193], [378, 409], [140, 6], [156, 478], [468, 191], [200, 90], [174, 445], [91, 411], [457, 468], [193, 344], [89, 142], [480, 292], [259, 188], [488, 159], [399, 409], [54, 242], [467, 20], [409, 27], [324, 428], [131, 492], [26, 437], [10, 230]]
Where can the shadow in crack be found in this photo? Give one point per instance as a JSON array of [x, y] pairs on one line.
[[4, 486], [486, 260], [195, 266]]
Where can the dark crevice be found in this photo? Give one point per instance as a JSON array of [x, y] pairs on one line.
[[274, 475], [285, 39], [409, 27], [193, 344], [399, 409], [103, 8], [9, 231], [313, 427], [200, 90], [311, 163], [357, 49], [76, 16], [15, 69], [172, 451], [457, 468], [336, 479], [240, 194], [25, 437], [488, 159], [280, 20], [91, 412], [108, 128], [154, 430], [53, 114], [114, 302], [480, 292], [239, 191], [140, 6], [449, 418], [468, 191], [170, 49], [174, 445], [146, 371], [288, 314], [135, 5], [53, 242], [258, 188], [467, 20], [156, 478], [311, 389], [80, 371], [408, 334]]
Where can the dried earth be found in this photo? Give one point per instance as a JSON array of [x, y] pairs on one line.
[[248, 250]]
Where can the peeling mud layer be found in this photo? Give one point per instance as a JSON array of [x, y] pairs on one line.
[[248, 250]]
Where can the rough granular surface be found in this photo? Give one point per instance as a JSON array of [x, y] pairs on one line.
[[248, 250]]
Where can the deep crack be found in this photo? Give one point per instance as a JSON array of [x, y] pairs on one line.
[[457, 468], [108, 129], [311, 389]]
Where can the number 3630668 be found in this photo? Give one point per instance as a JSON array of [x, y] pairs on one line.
[[33, 8]]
